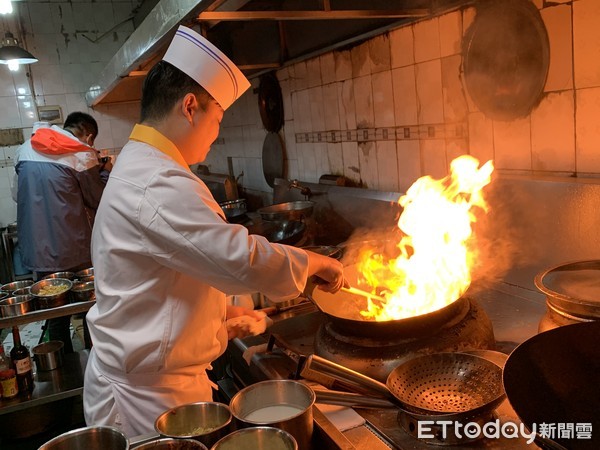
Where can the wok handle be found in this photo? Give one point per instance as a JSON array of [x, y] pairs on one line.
[[351, 400], [346, 376]]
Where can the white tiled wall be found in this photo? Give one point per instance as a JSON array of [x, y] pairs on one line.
[[73, 41], [412, 76]]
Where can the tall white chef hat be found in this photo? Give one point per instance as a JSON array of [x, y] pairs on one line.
[[207, 65]]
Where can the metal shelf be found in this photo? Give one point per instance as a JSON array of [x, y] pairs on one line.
[[65, 381], [45, 314]]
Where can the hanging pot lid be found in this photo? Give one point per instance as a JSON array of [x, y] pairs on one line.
[[270, 103], [506, 56], [272, 158]]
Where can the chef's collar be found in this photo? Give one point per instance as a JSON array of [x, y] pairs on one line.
[[153, 137]]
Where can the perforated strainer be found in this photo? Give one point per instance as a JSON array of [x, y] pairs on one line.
[[446, 383]]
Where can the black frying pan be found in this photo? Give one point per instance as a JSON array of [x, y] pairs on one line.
[[554, 377]]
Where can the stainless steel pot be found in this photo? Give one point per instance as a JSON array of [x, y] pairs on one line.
[[171, 444], [48, 355], [84, 274], [66, 275], [572, 293], [284, 404], [257, 438], [83, 291], [52, 300], [16, 306], [206, 422], [89, 438]]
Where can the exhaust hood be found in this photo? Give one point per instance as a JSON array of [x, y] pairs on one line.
[[258, 35]]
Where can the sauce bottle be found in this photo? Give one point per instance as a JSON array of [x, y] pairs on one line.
[[21, 360], [8, 377]]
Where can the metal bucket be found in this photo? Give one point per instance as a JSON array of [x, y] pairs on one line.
[[48, 355], [284, 404]]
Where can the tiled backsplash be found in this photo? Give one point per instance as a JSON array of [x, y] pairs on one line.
[[387, 111], [340, 106]]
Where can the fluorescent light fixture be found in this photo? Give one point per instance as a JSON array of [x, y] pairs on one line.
[[6, 7], [12, 54]]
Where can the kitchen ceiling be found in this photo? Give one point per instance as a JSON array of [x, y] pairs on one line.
[[258, 35]]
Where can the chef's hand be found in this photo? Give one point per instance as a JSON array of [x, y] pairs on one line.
[[329, 270], [237, 329]]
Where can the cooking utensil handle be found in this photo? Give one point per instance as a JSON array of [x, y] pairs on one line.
[[350, 399], [346, 376], [356, 291]]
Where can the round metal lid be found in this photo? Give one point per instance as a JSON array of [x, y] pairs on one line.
[[573, 287]]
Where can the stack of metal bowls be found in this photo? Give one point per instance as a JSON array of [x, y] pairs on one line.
[[15, 299], [9, 288]]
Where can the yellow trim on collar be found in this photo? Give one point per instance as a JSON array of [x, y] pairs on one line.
[[153, 137]]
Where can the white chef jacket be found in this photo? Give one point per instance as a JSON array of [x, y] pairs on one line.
[[164, 260]]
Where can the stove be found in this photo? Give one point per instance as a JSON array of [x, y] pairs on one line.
[[303, 330]]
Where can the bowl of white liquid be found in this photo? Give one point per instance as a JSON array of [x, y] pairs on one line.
[[284, 404]]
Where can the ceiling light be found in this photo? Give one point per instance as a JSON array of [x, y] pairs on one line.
[[12, 54], [6, 7]]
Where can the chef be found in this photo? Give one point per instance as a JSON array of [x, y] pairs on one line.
[[164, 256]]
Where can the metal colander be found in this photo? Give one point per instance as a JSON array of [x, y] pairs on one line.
[[445, 383]]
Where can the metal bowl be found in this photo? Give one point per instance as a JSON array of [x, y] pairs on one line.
[[89, 438], [257, 438], [234, 209], [16, 306], [66, 275], [22, 291], [171, 444], [288, 211], [83, 291], [84, 274], [11, 287], [52, 300], [206, 422]]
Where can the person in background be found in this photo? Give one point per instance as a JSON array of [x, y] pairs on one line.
[[59, 184], [165, 257]]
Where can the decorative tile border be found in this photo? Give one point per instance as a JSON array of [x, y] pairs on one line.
[[399, 133]]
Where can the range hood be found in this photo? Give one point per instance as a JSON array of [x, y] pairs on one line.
[[258, 35]]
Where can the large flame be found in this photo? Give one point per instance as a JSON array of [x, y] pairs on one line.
[[436, 252]]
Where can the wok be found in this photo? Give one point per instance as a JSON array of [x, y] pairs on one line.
[[285, 232], [343, 310], [553, 378]]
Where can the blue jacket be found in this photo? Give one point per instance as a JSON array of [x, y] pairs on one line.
[[57, 198]]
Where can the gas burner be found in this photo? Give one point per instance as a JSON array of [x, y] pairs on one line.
[[377, 357]]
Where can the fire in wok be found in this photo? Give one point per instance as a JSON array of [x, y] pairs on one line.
[[437, 250]]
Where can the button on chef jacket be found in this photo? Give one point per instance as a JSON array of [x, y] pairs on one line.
[[164, 260]]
